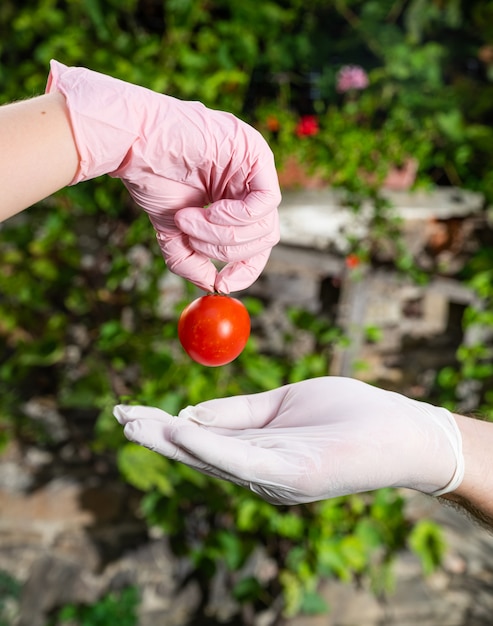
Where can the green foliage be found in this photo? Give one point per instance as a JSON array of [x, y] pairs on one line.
[[428, 94], [427, 542], [468, 383], [114, 608], [10, 591]]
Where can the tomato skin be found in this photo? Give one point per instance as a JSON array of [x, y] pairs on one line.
[[214, 329]]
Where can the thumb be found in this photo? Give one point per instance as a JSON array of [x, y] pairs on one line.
[[237, 412], [241, 274]]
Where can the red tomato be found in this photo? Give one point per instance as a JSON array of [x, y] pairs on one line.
[[214, 329]]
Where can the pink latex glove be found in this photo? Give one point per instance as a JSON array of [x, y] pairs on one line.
[[309, 441], [175, 158]]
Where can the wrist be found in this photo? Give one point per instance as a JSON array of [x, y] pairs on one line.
[[476, 488], [103, 134], [451, 430]]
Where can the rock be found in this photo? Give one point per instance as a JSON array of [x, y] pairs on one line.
[[55, 582]]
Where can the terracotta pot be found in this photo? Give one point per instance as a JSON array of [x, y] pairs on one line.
[[294, 175], [402, 178]]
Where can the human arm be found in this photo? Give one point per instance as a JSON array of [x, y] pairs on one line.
[[206, 179], [326, 437], [317, 439], [475, 493], [38, 155]]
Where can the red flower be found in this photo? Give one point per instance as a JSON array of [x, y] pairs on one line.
[[307, 126], [352, 261]]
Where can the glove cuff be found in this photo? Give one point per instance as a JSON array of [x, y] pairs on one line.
[[455, 439], [98, 111]]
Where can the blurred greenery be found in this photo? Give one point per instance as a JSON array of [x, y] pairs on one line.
[[87, 311], [120, 608], [10, 591]]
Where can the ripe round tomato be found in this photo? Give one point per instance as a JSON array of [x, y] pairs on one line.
[[214, 329]]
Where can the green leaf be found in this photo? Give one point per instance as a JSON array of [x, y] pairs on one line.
[[248, 588], [313, 603], [288, 525], [232, 548], [145, 469], [427, 542]]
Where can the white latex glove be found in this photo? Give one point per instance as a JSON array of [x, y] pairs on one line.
[[309, 441], [176, 157]]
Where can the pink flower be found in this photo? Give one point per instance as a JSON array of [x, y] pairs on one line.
[[351, 77], [307, 126]]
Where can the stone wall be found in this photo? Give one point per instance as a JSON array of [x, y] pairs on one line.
[[420, 324]]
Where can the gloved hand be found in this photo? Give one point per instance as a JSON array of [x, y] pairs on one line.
[[175, 158], [309, 441]]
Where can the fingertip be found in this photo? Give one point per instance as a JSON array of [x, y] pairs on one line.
[[122, 413], [230, 282], [240, 275], [129, 431], [182, 260], [198, 414], [140, 434]]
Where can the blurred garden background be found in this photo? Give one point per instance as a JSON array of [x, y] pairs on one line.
[[350, 94]]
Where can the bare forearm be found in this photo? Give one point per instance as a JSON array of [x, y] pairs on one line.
[[475, 494], [38, 154]]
